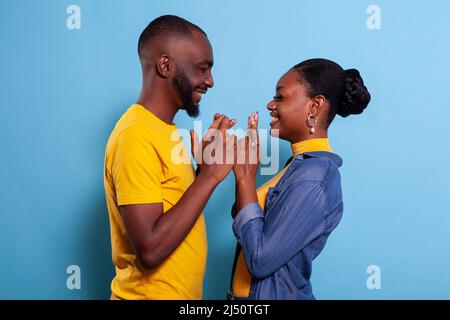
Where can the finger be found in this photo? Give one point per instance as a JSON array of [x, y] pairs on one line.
[[232, 123], [250, 121], [259, 154], [195, 146], [231, 139], [254, 149], [240, 151], [213, 127], [223, 126], [252, 130], [216, 122], [253, 120], [235, 150], [230, 148], [247, 151]]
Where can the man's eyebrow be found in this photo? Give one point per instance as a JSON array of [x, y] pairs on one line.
[[207, 62], [279, 88]]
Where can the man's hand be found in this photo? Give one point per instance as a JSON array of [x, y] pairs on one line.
[[214, 155]]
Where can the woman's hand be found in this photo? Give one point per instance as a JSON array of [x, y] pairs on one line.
[[246, 163], [246, 152]]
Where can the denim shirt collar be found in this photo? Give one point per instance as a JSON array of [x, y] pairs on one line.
[[321, 154]]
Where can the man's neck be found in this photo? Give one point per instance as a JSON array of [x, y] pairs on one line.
[[159, 105]]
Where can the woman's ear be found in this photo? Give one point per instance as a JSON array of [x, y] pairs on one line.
[[164, 65], [318, 104]]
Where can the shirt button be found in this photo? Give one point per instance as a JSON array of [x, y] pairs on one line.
[[299, 157]]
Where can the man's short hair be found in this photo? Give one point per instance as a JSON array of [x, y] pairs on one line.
[[166, 27]]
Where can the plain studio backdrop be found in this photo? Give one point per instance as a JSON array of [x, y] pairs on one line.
[[69, 69]]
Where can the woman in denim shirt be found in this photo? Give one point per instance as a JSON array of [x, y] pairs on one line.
[[280, 230]]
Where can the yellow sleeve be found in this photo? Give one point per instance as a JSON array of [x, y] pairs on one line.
[[136, 168]]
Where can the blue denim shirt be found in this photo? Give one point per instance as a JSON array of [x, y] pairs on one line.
[[281, 242]]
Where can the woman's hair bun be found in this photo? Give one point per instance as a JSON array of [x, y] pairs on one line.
[[355, 97]]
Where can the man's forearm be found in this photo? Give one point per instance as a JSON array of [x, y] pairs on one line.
[[174, 225]]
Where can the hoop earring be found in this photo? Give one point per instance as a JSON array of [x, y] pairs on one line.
[[312, 120]]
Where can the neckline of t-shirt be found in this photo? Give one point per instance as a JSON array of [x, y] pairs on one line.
[[154, 117]]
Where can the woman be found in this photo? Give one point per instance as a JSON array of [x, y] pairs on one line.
[[284, 225]]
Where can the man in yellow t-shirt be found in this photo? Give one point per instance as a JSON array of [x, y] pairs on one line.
[[155, 201]]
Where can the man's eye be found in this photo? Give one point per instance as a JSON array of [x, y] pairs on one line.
[[277, 98], [203, 69]]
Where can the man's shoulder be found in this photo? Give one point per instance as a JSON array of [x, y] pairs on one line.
[[134, 122], [130, 138], [132, 126]]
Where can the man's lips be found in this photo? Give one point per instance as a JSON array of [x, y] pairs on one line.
[[201, 91], [198, 93]]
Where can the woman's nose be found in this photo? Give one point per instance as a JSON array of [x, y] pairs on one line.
[[271, 105]]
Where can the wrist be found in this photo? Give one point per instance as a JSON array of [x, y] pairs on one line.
[[246, 191], [246, 181], [208, 179]]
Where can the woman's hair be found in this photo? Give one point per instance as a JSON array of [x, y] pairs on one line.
[[344, 89]]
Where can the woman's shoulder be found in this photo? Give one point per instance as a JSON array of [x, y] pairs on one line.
[[315, 166]]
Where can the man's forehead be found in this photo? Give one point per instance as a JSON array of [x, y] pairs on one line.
[[197, 48], [201, 42]]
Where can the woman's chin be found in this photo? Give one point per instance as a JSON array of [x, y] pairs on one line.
[[274, 131]]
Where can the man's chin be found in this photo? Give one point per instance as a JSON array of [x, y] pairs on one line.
[[193, 111]]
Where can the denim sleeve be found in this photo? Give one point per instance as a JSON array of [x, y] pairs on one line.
[[269, 244]]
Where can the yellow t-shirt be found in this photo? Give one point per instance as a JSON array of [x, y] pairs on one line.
[[241, 283], [140, 168]]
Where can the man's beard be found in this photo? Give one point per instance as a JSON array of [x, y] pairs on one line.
[[184, 89]]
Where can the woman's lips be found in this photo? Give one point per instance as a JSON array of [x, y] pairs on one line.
[[273, 118]]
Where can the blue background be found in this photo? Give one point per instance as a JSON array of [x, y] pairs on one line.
[[63, 90]]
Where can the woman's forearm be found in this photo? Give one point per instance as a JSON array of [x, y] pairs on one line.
[[246, 192]]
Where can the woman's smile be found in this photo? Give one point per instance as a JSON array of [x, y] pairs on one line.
[[274, 118]]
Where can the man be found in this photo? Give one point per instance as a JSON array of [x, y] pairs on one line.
[[155, 204]]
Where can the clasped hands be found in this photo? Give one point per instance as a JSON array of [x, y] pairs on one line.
[[220, 152]]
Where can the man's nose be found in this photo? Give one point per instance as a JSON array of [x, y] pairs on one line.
[[209, 81]]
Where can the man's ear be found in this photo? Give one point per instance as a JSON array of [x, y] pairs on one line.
[[164, 65]]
